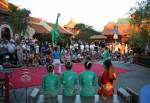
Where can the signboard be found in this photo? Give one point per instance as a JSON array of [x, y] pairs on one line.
[[25, 77]]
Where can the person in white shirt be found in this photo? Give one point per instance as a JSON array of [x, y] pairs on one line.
[[82, 47], [71, 47], [37, 48], [87, 47], [19, 53], [76, 45], [11, 50], [92, 46], [11, 47]]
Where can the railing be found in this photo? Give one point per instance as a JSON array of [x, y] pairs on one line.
[[143, 60], [5, 84]]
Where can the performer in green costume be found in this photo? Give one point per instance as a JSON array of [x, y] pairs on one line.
[[106, 55], [54, 32], [87, 80], [69, 81], [50, 86]]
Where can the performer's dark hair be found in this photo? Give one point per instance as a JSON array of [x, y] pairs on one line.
[[68, 64], [107, 63], [55, 48], [50, 68], [88, 65]]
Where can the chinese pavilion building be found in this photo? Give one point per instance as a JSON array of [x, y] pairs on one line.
[[122, 28], [39, 28], [70, 26]]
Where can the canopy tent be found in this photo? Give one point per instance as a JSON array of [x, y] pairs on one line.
[[98, 37]]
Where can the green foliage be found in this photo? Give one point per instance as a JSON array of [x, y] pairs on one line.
[[141, 12], [139, 41], [43, 38], [64, 38], [18, 19], [140, 16], [46, 38], [86, 32]]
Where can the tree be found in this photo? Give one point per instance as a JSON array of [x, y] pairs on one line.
[[86, 32], [140, 18], [64, 39], [18, 19], [138, 41], [141, 13]]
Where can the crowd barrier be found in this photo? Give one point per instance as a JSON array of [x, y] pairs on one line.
[[142, 60]]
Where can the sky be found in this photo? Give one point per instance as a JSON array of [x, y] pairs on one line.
[[96, 13]]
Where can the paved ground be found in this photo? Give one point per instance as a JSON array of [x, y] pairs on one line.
[[136, 77]]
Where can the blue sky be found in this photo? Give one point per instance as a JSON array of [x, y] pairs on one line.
[[96, 13]]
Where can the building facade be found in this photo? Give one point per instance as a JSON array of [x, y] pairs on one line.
[[123, 29], [70, 26], [5, 28]]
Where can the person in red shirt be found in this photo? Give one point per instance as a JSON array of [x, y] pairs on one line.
[[106, 82]]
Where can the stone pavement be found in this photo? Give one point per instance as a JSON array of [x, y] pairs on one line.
[[136, 77]]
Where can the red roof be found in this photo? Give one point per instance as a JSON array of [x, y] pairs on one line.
[[35, 20], [70, 24], [39, 28], [108, 29], [3, 5], [123, 29]]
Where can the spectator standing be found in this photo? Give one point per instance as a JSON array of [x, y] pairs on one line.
[[19, 53], [12, 50], [105, 55]]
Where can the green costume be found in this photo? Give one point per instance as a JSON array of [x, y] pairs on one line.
[[69, 81], [50, 84], [54, 32], [87, 81], [106, 55]]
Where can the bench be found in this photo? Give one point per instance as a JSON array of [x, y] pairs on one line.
[[34, 95], [135, 96], [77, 100], [124, 96]]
